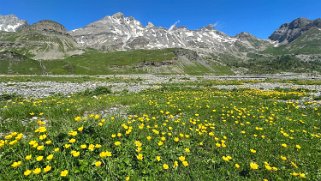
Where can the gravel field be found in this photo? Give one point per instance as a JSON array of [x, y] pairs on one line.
[[47, 88]]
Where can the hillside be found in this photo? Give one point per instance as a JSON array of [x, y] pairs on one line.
[[43, 40], [93, 62]]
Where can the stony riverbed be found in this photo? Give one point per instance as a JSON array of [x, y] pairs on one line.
[[47, 88]]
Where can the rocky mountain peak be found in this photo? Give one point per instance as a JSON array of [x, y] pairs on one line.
[[11, 23], [46, 26], [299, 23], [119, 32], [150, 25], [118, 15], [244, 35], [208, 27], [288, 32]]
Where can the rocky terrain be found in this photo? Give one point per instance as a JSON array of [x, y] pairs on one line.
[[11, 23], [46, 26], [48, 88], [42, 40], [118, 32], [288, 32]]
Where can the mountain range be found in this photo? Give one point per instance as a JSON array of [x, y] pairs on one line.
[[294, 47]]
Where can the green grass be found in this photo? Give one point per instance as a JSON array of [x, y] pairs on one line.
[[94, 62], [201, 124], [20, 67], [278, 64], [297, 81], [122, 62]]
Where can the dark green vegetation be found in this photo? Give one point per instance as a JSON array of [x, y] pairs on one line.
[[262, 64]]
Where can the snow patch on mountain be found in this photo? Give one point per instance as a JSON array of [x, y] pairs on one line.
[[10, 23], [118, 32]]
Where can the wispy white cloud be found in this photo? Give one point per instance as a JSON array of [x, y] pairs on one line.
[[174, 25]]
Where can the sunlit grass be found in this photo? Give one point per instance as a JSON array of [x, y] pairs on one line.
[[171, 134]]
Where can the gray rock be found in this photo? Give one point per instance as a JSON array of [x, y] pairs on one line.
[[288, 32], [11, 23], [118, 32]]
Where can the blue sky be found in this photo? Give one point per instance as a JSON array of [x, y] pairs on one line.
[[259, 17]]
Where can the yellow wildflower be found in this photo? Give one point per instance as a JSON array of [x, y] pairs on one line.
[[105, 154], [185, 163], [80, 129], [284, 145], [39, 158], [149, 138], [47, 169], [117, 143], [176, 139], [77, 119], [140, 157], [41, 129], [75, 153], [73, 140], [42, 137], [283, 157], [227, 158], [36, 171], [28, 157], [64, 173], [91, 147], [98, 163], [50, 157], [16, 164], [27, 172], [237, 166], [254, 166], [40, 148], [181, 158], [302, 175], [72, 133], [165, 166]]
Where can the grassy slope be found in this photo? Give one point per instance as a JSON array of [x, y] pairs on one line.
[[94, 62], [20, 67], [123, 62], [36, 41], [308, 43]]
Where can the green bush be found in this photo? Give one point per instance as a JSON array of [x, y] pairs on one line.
[[97, 91]]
